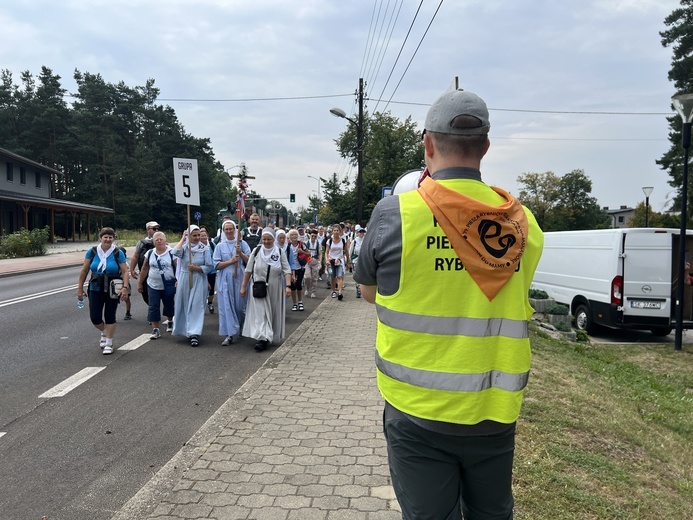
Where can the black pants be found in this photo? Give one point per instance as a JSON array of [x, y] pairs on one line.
[[437, 476], [102, 308], [298, 284]]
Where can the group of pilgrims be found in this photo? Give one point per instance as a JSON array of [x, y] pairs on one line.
[[184, 278]]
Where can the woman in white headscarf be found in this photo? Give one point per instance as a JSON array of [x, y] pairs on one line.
[[230, 258], [265, 318], [196, 262]]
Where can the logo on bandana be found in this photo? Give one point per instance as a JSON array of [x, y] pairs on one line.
[[489, 230], [274, 258]]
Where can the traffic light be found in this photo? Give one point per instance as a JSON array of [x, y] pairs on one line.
[[292, 197]]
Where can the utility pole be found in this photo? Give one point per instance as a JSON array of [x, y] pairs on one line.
[[359, 144]]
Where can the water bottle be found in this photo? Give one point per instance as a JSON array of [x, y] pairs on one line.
[[80, 304]]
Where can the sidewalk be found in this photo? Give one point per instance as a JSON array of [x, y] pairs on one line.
[[63, 254], [300, 440]]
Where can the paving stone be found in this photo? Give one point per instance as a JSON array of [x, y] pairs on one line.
[[192, 511], [303, 438]]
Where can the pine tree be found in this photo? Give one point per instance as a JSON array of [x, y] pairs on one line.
[[678, 36]]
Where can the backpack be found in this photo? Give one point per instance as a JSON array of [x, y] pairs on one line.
[[120, 248], [146, 246]]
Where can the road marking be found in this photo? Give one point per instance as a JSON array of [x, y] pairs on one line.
[[2, 433], [34, 296], [71, 383], [135, 343]]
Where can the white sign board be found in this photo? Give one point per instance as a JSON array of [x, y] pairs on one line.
[[187, 185]]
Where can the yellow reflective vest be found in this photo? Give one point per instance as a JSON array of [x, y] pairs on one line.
[[444, 351]]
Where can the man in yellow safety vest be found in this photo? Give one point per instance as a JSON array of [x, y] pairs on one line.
[[449, 266]]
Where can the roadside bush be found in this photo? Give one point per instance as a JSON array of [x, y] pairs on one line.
[[582, 336], [558, 309], [536, 294], [563, 326], [24, 243]]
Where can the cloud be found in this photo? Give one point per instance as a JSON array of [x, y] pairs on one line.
[[601, 55]]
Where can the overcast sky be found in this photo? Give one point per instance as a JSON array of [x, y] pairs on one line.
[[218, 63]]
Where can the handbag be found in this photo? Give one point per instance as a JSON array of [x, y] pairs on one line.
[[114, 288], [260, 287], [303, 258]]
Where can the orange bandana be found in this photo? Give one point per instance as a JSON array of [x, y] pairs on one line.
[[489, 240]]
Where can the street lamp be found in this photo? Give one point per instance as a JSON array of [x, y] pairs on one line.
[[647, 190], [359, 149], [683, 103]]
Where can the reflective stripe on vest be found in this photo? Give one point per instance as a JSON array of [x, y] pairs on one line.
[[451, 381], [455, 326]]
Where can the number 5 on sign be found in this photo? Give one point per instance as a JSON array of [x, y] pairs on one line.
[[185, 177]]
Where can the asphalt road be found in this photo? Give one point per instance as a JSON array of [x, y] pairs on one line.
[[84, 454]]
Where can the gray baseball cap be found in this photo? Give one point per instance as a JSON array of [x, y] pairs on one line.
[[443, 114]]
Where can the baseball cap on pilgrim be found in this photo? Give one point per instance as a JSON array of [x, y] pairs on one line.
[[151, 223], [458, 112]]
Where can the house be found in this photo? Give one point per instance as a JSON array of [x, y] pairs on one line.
[[619, 217], [27, 201]]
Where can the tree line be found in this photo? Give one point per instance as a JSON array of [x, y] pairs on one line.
[[113, 145]]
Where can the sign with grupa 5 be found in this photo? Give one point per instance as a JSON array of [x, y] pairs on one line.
[[186, 181]]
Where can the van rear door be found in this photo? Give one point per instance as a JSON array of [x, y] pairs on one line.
[[646, 276]]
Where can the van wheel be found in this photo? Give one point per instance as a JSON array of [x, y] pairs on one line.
[[583, 319], [661, 331]]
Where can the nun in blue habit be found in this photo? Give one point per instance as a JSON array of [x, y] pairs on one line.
[[230, 258], [196, 262]]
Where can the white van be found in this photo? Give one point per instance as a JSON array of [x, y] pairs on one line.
[[618, 278]]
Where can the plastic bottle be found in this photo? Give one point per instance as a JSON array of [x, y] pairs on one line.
[[80, 304]]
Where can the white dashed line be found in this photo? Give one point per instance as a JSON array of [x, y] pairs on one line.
[[135, 343], [71, 383], [2, 433]]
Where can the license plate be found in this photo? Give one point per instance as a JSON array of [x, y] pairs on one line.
[[645, 305]]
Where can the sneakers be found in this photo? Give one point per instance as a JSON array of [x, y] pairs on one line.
[[334, 294], [300, 306], [312, 295], [128, 316], [108, 349], [227, 341], [295, 307], [169, 326], [156, 334], [260, 346], [194, 341], [210, 306], [102, 342], [340, 296]]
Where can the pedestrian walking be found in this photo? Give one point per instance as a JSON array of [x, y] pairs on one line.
[[141, 248], [212, 276], [356, 250], [194, 262], [313, 267], [251, 234], [230, 258], [265, 318], [107, 287], [158, 277], [449, 266], [299, 253], [336, 252]]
